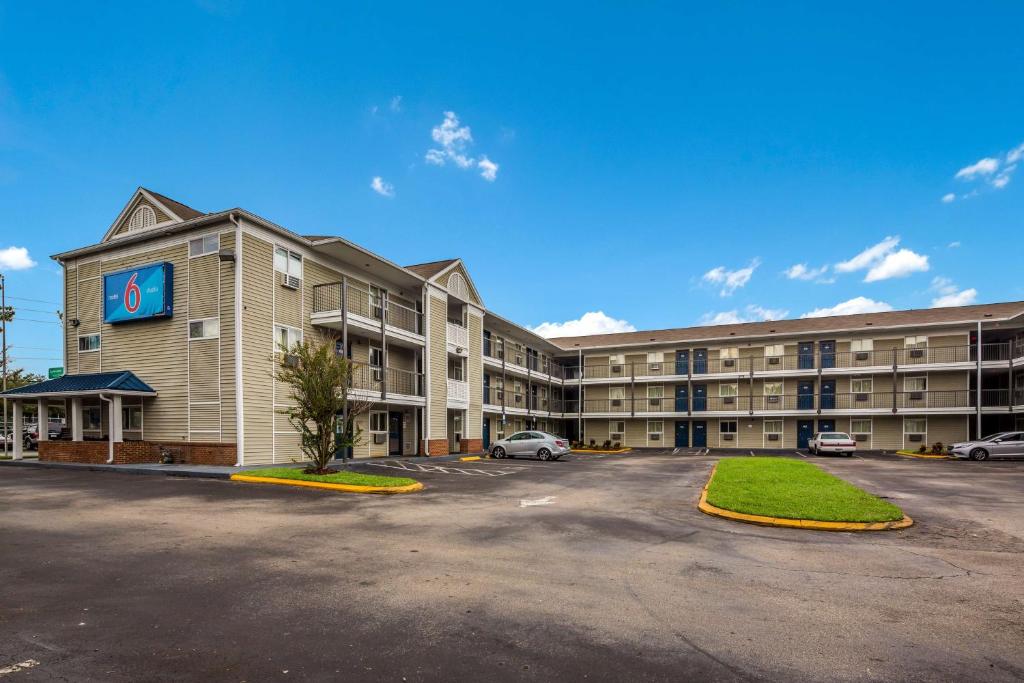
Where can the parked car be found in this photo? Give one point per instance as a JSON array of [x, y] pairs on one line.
[[840, 443], [999, 445], [541, 444]]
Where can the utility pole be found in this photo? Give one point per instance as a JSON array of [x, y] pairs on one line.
[[4, 315]]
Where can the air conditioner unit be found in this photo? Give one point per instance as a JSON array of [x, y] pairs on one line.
[[917, 353], [617, 436], [291, 360], [772, 399], [655, 402], [915, 437], [290, 281], [729, 400], [860, 397], [616, 369], [729, 362], [861, 355], [773, 437], [862, 437], [616, 402], [728, 437], [774, 361], [655, 367], [654, 437], [379, 437], [916, 395]]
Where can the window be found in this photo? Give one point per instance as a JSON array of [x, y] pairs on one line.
[[89, 342], [201, 246], [860, 427], [918, 342], [915, 383], [773, 388], [915, 428], [655, 391], [655, 428], [728, 389], [207, 328], [142, 217], [772, 350], [773, 426], [655, 356], [729, 353], [131, 418], [378, 421], [861, 385], [616, 393], [288, 262], [727, 430], [286, 337], [616, 428], [860, 345], [376, 357], [92, 417]]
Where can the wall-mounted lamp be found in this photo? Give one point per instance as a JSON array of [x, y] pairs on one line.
[[226, 255], [75, 322]]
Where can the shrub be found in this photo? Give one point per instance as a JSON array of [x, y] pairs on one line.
[[938, 448], [593, 443], [606, 445], [616, 445], [922, 449]]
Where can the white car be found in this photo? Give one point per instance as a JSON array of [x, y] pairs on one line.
[[840, 443]]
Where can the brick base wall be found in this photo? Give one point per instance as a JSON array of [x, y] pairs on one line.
[[472, 445], [437, 447], [138, 452]]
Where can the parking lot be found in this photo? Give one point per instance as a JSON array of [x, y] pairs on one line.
[[596, 567]]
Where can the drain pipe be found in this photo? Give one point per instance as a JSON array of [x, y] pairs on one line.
[[110, 430]]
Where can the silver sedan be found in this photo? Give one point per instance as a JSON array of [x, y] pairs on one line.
[[541, 444], [1001, 445]]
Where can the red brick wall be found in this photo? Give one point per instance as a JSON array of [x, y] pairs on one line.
[[135, 452], [437, 447], [472, 445]]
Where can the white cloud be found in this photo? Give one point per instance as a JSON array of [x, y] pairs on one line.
[[860, 304], [752, 313], [396, 103], [488, 169], [948, 198], [1016, 154], [950, 295], [593, 322], [731, 280], [953, 245], [454, 140], [982, 167], [869, 256], [800, 271], [15, 258], [898, 264], [1003, 179], [382, 187]]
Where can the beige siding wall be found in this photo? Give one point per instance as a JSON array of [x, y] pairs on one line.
[[474, 375], [257, 349], [161, 216], [437, 341]]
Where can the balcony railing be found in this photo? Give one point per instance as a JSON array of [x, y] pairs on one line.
[[327, 298], [458, 335], [521, 357], [399, 381], [458, 390], [494, 396], [900, 400]]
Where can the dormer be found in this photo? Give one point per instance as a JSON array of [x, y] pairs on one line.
[[148, 210]]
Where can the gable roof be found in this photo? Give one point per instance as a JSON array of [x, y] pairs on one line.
[[123, 382], [431, 268], [181, 210], [175, 211], [835, 323]]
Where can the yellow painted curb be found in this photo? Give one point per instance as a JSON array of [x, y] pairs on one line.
[[347, 488], [709, 509], [927, 456], [586, 450], [469, 458]]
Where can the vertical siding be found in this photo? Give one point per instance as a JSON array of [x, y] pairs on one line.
[[438, 350], [475, 373], [228, 417], [257, 345], [204, 362]]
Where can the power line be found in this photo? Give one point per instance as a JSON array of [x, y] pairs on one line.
[[33, 310], [37, 301], [33, 320]]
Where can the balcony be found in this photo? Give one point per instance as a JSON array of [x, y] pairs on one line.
[[519, 359], [458, 339], [371, 379], [495, 398], [458, 393], [364, 307]]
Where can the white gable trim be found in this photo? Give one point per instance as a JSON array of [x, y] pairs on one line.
[[141, 192], [469, 281]]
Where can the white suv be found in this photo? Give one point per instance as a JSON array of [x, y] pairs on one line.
[[831, 442]]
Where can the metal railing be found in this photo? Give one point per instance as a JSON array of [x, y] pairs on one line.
[[745, 403], [520, 356], [327, 298], [399, 381]]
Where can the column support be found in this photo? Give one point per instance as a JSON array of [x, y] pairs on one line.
[[43, 419], [17, 430], [75, 416]]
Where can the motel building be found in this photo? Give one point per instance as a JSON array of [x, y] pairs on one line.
[[174, 321]]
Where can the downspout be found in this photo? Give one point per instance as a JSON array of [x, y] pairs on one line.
[[239, 393], [110, 430], [977, 384]]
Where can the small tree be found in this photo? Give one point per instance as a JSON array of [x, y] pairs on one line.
[[320, 380]]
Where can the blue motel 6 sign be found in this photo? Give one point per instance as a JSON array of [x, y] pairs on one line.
[[139, 293]]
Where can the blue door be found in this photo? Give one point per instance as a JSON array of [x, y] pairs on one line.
[[805, 355], [828, 394], [805, 396], [700, 434], [682, 362], [682, 434], [804, 431], [700, 396], [487, 433], [828, 353], [682, 398], [700, 361], [826, 425]]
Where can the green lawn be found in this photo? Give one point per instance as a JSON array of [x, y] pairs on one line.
[[353, 478], [782, 487]]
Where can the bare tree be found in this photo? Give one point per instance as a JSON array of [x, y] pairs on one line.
[[323, 410]]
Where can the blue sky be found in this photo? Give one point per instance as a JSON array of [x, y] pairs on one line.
[[662, 164]]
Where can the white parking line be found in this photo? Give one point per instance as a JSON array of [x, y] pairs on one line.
[[20, 666], [800, 454], [440, 469]]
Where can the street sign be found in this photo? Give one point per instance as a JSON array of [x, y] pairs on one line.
[[54, 373]]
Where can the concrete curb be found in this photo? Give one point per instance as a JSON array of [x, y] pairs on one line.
[[709, 509], [590, 452], [924, 456], [347, 488], [118, 469]]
